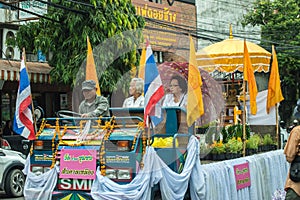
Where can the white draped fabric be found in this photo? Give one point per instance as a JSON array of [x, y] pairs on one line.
[[261, 117], [39, 187], [172, 185], [268, 172], [215, 181]]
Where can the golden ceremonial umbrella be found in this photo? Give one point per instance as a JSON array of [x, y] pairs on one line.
[[227, 56]]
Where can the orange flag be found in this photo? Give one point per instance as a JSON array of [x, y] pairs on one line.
[[250, 78], [274, 89], [195, 106], [91, 73], [142, 64]]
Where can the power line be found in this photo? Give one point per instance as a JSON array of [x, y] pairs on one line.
[[197, 32], [64, 7]]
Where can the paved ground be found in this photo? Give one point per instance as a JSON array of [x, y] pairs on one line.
[[3, 196]]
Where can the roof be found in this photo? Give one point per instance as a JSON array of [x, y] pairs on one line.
[[38, 72]]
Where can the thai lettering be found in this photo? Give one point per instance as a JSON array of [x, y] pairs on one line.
[[160, 14], [80, 158]]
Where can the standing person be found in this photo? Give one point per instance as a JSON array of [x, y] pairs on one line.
[[7, 130], [136, 90], [177, 96], [291, 150], [92, 105], [295, 123]]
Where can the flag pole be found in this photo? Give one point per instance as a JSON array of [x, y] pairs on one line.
[[244, 118], [148, 131], [33, 116], [277, 130]]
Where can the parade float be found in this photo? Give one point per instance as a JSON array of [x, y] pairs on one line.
[[118, 157]]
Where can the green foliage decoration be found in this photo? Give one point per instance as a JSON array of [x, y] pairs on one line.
[[280, 25], [253, 141], [234, 145], [267, 139], [65, 38]]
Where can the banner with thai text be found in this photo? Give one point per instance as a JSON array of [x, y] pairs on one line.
[[242, 175], [78, 163]]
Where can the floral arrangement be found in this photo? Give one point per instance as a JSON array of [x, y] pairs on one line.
[[218, 147], [235, 130]]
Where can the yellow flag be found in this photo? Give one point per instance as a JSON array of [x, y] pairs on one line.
[[142, 64], [91, 73], [250, 78], [195, 106], [274, 89]]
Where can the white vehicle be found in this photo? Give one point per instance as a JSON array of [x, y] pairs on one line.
[[12, 179]]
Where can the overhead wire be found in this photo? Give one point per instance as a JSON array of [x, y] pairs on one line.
[[196, 31], [63, 7]]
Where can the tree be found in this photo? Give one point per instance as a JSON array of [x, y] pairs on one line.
[[280, 23], [65, 37]]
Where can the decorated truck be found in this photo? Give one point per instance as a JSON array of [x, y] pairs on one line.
[[113, 157]]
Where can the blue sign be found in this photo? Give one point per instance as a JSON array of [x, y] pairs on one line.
[[41, 56]]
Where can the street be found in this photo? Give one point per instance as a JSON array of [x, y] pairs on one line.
[[3, 196]]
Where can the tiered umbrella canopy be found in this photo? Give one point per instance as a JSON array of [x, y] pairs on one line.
[[227, 56]]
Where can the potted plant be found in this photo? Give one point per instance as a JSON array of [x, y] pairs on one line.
[[218, 150], [234, 148], [252, 144], [267, 142]]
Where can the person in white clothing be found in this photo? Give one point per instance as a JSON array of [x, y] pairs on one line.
[[136, 90], [177, 95]]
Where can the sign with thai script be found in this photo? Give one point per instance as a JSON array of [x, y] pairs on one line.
[[117, 159], [165, 24], [36, 7], [41, 158], [242, 175], [78, 163]]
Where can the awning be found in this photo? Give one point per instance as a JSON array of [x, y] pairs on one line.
[[38, 72]]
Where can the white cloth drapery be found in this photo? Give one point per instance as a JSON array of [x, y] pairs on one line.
[[172, 184], [268, 172], [216, 181], [39, 187]]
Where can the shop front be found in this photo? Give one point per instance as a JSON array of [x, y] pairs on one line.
[[49, 96]]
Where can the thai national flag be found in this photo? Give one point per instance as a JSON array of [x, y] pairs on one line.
[[23, 122], [154, 90]]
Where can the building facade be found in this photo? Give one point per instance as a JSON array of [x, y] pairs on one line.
[[168, 24]]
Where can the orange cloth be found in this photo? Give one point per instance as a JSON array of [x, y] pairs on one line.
[[142, 64], [91, 73], [194, 106], [274, 89], [250, 78], [291, 150]]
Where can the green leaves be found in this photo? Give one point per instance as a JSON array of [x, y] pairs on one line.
[[67, 39], [280, 23]]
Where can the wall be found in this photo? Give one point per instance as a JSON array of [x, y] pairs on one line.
[[167, 26], [215, 16]]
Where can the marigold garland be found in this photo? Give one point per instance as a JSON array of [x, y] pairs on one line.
[[109, 127]]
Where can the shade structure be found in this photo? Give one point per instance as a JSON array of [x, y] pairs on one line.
[[227, 56], [212, 95]]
